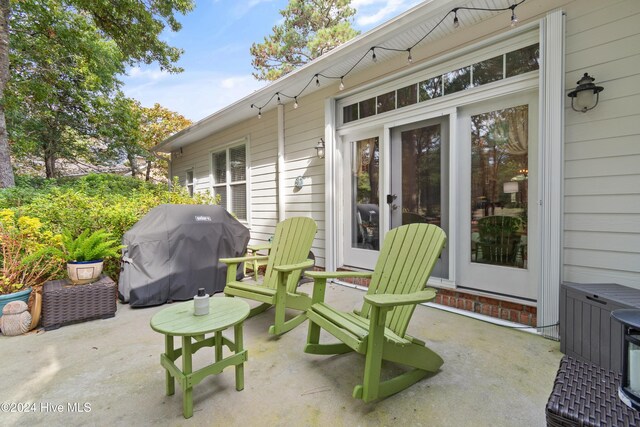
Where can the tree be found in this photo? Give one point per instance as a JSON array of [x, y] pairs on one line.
[[128, 29], [63, 73], [311, 28], [157, 124]]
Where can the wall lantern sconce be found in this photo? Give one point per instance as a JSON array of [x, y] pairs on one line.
[[584, 94], [320, 149]]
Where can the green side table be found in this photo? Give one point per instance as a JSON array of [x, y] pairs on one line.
[[179, 320]]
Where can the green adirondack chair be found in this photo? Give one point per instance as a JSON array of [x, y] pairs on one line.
[[378, 330], [279, 288]]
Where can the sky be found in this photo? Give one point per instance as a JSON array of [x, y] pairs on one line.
[[216, 37]]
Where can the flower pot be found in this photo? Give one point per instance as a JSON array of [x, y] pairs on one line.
[[81, 272], [16, 296]]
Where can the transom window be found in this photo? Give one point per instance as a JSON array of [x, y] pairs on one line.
[[229, 179], [489, 70]]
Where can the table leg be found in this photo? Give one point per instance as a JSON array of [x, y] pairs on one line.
[[237, 332], [168, 351], [187, 387], [218, 341]]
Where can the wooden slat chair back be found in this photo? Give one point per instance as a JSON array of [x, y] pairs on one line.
[[379, 330], [285, 263], [404, 265]]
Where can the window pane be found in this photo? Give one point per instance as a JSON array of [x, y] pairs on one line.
[[387, 102], [431, 88], [237, 163], [239, 201], [222, 191], [421, 175], [189, 183], [367, 108], [219, 167], [499, 187], [487, 71], [523, 60], [350, 113], [365, 196], [407, 96], [455, 81]]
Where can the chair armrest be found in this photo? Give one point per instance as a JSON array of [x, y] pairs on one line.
[[238, 260], [390, 300], [336, 274], [259, 247], [292, 267]]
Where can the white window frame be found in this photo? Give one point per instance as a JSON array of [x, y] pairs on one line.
[[228, 185]]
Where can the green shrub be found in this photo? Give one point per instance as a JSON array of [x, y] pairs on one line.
[[95, 202], [29, 253]]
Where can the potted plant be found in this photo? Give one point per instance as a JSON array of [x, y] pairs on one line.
[[28, 257], [85, 254]]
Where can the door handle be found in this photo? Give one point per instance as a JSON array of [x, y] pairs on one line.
[[391, 198]]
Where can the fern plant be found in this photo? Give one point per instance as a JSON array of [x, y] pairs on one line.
[[90, 246]]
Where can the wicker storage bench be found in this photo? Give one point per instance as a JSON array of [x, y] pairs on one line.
[[587, 395], [64, 304]]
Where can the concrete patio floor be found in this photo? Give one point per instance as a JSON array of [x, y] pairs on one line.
[[492, 376]]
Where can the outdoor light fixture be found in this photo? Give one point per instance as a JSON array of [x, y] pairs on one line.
[[456, 21], [629, 391], [295, 102], [320, 149], [341, 87], [584, 94]]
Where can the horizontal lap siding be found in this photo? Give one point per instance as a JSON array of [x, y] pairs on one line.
[[262, 137], [304, 127], [602, 153]]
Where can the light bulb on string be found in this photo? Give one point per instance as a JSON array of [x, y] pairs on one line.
[[374, 58], [317, 81], [259, 113], [409, 57], [295, 102], [456, 22], [341, 87], [514, 18], [279, 101]]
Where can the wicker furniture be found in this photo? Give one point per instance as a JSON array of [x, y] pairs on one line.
[[64, 303], [179, 320], [587, 395]]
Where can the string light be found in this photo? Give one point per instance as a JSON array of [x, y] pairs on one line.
[[374, 58], [514, 18]]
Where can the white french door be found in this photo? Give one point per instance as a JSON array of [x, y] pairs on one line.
[[361, 199], [498, 196]]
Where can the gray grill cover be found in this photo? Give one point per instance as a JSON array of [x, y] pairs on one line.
[[174, 250]]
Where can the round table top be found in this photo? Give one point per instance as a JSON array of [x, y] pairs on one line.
[[179, 320]]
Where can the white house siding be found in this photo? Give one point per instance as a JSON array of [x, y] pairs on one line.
[[303, 127], [261, 136], [602, 149]]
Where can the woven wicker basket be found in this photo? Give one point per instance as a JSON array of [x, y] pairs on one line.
[[64, 303], [586, 395]]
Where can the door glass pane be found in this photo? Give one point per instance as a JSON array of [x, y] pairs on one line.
[[499, 187], [421, 175], [365, 196]]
